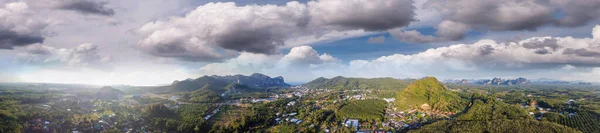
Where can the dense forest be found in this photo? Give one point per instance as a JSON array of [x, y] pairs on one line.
[[365, 110], [429, 93], [486, 114]]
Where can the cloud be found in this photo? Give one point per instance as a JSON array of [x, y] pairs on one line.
[[581, 52], [577, 12], [370, 15], [379, 39], [485, 58], [300, 61], [306, 55], [204, 33], [446, 31], [19, 26], [83, 56], [503, 15], [86, 7], [532, 53]]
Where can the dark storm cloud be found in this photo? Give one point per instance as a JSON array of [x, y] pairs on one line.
[[577, 12], [10, 39], [367, 15], [542, 51], [495, 14], [581, 52], [486, 50], [251, 40], [87, 7], [180, 51], [510, 15], [546, 43]]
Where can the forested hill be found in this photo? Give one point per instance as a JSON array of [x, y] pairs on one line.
[[218, 83], [340, 82], [428, 93], [194, 84], [485, 114], [108, 92]]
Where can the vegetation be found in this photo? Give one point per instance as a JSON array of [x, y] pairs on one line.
[[585, 121], [495, 126], [341, 83], [365, 110], [485, 114], [209, 105], [428, 93]]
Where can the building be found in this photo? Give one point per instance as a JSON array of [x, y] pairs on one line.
[[292, 103], [351, 123], [389, 100]]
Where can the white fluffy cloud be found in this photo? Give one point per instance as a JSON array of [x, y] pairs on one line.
[[482, 58], [83, 56], [212, 30], [297, 65]]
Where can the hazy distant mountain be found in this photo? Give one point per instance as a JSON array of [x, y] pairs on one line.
[[108, 92], [517, 81], [494, 81], [340, 82]]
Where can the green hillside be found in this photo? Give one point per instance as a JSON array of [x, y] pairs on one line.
[[371, 109], [428, 91], [191, 85], [495, 126], [340, 82], [485, 114]]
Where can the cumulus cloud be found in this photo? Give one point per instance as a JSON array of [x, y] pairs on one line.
[[379, 39], [369, 15], [86, 7], [482, 58], [204, 33], [19, 26], [503, 15], [299, 61], [489, 55], [83, 56], [446, 31]]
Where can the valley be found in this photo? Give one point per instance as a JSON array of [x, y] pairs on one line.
[[259, 103]]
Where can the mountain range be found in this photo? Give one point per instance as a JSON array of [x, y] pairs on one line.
[[218, 83], [517, 81], [340, 82]]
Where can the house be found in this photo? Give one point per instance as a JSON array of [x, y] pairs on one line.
[[351, 123], [292, 103], [389, 100], [294, 120], [364, 131]]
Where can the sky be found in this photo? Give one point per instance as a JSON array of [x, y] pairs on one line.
[[154, 42]]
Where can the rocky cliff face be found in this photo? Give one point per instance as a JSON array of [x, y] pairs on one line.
[[254, 80], [499, 81]]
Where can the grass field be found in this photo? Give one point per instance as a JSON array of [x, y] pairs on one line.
[[229, 114]]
